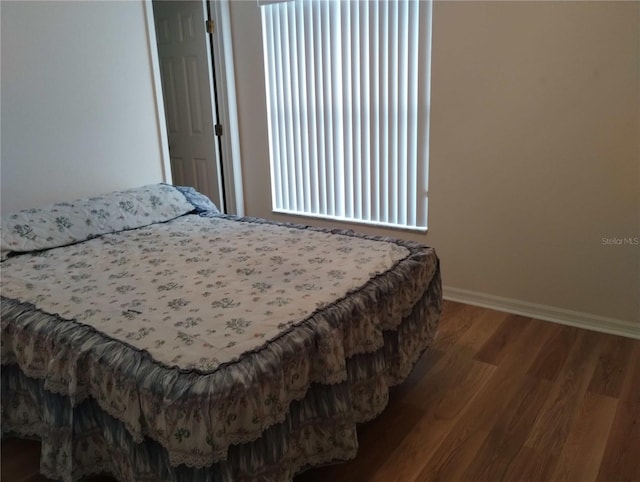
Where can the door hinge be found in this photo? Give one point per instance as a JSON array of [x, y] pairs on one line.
[[218, 130], [210, 26]]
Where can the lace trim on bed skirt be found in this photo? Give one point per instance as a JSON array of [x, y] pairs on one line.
[[197, 416], [27, 404], [317, 430]]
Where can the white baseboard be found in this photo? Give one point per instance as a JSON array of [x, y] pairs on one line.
[[544, 312]]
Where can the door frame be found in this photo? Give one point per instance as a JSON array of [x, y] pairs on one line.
[[224, 72]]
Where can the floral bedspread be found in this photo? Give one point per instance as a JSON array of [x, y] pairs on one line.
[[197, 292], [200, 333]]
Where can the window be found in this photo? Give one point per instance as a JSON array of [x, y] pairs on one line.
[[348, 108]]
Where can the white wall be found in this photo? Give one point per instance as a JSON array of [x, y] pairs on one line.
[[78, 106], [535, 151]]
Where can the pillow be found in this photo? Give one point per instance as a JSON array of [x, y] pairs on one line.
[[67, 223], [200, 202]]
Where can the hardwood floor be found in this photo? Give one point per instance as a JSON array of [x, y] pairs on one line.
[[499, 397]]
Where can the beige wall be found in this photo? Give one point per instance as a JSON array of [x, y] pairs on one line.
[[78, 105], [535, 149]]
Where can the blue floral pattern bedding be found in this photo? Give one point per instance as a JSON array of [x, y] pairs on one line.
[[201, 334], [66, 223], [197, 292]]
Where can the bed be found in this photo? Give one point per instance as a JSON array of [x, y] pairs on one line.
[[148, 336]]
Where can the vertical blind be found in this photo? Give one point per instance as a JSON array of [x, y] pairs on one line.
[[348, 108]]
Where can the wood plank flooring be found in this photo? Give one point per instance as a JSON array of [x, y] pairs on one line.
[[499, 397]]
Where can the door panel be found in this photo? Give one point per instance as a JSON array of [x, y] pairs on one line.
[[185, 69], [170, 96], [194, 103]]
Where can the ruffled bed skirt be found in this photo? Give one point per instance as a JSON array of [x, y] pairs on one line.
[[320, 428]]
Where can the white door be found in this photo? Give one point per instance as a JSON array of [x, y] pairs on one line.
[[186, 72]]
